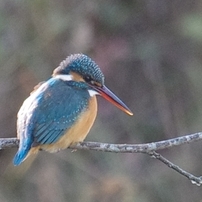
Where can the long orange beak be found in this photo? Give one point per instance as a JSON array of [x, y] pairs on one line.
[[111, 97]]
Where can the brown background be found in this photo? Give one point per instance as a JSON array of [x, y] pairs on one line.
[[151, 54]]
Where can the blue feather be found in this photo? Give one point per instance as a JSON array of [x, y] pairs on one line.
[[22, 152]]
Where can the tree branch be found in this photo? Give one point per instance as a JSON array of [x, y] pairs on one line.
[[148, 148]]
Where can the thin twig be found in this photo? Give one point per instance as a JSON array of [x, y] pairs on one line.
[[192, 178], [148, 148]]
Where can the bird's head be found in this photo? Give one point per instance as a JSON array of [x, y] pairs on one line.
[[82, 69]]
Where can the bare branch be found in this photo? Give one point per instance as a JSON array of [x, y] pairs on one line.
[[119, 148], [138, 148], [148, 148], [194, 180], [8, 143]]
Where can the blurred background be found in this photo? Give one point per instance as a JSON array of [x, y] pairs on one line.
[[151, 55]]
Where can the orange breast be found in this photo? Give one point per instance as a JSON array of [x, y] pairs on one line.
[[77, 133]]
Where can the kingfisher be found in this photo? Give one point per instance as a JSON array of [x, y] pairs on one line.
[[61, 111]]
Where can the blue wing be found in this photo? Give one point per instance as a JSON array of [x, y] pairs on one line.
[[58, 108], [48, 113]]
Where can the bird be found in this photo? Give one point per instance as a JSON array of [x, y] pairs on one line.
[[61, 111]]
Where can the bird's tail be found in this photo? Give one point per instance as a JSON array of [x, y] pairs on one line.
[[20, 156]]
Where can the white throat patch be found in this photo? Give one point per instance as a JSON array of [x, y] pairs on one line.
[[92, 93]]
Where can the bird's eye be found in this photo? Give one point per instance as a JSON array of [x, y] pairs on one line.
[[88, 79]]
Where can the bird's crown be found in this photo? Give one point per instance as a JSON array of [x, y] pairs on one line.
[[82, 65]]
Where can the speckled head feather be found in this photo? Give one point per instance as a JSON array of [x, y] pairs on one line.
[[81, 64]]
